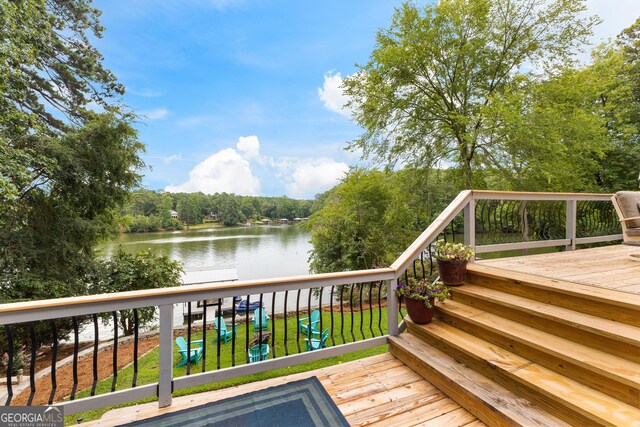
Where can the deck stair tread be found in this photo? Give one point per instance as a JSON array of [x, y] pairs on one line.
[[561, 395], [486, 399], [604, 295], [531, 310], [596, 367]]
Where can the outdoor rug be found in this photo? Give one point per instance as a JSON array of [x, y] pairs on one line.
[[295, 404]]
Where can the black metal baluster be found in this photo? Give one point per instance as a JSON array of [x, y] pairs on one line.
[[273, 324], [95, 355], [246, 316], [54, 356], [373, 334], [480, 207], [189, 338], [380, 308], [32, 365], [431, 268], [424, 273], [361, 312], [74, 322], [218, 349], [400, 299], [136, 336], [496, 217], [261, 311], [233, 333], [501, 205], [333, 342], [310, 335], [9, 332], [204, 335], [342, 314], [298, 321], [309, 304], [353, 336], [286, 343], [115, 350], [321, 316]]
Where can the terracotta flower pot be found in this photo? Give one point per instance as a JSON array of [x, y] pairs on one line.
[[452, 273], [418, 312]]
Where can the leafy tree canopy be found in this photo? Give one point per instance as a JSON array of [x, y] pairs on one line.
[[64, 168], [435, 74]]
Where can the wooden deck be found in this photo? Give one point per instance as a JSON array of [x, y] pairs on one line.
[[607, 267], [379, 390]]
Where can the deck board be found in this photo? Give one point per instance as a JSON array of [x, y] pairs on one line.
[[376, 390], [606, 267]]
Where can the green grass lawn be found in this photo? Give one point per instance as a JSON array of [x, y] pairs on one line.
[[148, 365]]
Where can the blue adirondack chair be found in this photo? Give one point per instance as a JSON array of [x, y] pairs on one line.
[[310, 327], [259, 319], [194, 355], [258, 353], [317, 343], [225, 333]]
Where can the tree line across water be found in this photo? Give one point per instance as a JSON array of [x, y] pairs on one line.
[[147, 210]]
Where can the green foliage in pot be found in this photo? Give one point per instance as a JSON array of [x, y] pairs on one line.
[[453, 251], [423, 290]]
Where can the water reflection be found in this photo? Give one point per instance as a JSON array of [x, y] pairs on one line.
[[256, 252]]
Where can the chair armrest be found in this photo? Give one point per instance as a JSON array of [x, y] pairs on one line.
[[196, 342], [303, 318], [633, 218]]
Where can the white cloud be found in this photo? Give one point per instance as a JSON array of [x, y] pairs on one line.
[[226, 171], [249, 145], [332, 95], [155, 114], [307, 177]]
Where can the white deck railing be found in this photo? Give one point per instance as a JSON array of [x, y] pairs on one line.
[[165, 299]]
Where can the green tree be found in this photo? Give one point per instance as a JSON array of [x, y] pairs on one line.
[[128, 272], [618, 66], [364, 222], [64, 168], [434, 75], [188, 210], [229, 212], [550, 134]]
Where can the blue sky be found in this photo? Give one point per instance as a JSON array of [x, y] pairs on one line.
[[243, 96]]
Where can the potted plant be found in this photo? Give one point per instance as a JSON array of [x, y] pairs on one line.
[[452, 261], [419, 297]]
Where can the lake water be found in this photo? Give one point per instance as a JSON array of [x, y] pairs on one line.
[[255, 252]]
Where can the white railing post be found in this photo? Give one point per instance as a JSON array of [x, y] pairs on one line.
[[166, 355], [470, 224], [571, 221], [392, 308]]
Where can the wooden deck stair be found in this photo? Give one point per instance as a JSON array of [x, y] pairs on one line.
[[516, 349]]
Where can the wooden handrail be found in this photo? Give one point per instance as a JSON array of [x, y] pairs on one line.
[[529, 195], [308, 281], [434, 229]]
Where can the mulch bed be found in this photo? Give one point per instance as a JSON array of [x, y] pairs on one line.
[[64, 374]]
